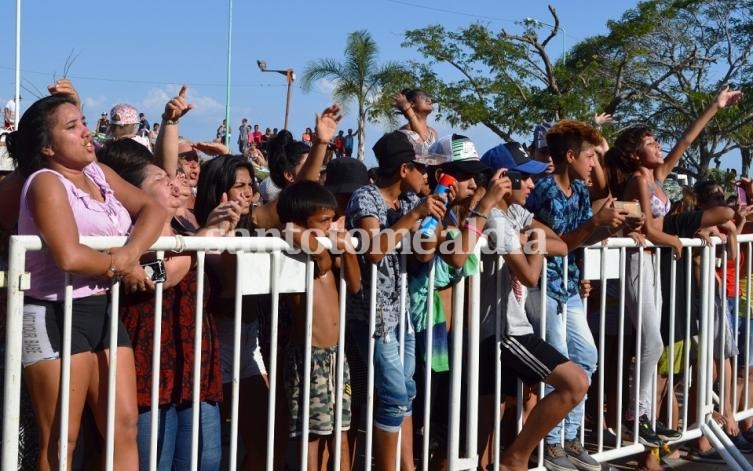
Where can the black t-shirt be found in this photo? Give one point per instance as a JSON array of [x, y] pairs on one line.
[[683, 225]]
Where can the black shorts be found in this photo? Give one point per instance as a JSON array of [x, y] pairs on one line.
[[525, 357], [90, 329]]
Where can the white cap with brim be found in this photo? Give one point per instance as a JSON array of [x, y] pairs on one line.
[[458, 152]]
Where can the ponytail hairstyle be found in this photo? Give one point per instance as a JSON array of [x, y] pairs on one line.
[[284, 154], [33, 134]]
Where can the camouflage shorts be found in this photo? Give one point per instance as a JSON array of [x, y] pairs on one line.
[[323, 389]]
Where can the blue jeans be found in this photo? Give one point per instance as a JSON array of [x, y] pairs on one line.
[[573, 340], [174, 438], [393, 379]]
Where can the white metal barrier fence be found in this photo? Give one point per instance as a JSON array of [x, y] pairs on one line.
[[266, 268]]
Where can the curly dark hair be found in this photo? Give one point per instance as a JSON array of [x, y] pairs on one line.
[[621, 160], [569, 134]]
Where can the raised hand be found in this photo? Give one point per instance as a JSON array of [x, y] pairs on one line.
[[727, 97], [65, 87], [400, 102], [225, 216], [211, 148], [601, 119], [498, 187], [177, 107], [327, 122]]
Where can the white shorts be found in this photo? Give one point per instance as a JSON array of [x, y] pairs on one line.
[[251, 361]]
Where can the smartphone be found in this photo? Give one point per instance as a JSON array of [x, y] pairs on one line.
[[633, 208], [742, 197], [156, 271], [515, 178]]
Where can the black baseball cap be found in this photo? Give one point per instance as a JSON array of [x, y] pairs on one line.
[[395, 148], [345, 175]]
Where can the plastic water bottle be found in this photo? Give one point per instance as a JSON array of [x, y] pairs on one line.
[[429, 224]]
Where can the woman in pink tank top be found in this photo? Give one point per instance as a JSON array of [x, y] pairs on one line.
[[67, 194]]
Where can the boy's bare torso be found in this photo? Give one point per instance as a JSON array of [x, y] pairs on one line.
[[326, 313]]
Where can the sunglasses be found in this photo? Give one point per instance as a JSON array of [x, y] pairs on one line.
[[189, 155]]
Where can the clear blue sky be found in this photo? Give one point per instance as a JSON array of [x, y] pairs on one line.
[[140, 52]]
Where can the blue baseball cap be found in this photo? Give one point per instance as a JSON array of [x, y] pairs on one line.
[[512, 156]]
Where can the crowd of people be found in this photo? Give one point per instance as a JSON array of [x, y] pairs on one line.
[[535, 205]]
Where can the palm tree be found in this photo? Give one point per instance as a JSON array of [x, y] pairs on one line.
[[358, 78]]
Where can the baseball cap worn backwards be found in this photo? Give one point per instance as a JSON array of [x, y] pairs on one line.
[[123, 114], [460, 152], [512, 156], [395, 148]]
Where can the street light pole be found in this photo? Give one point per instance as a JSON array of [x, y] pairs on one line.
[[228, 126], [289, 76]]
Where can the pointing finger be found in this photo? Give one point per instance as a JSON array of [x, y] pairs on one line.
[[182, 92]]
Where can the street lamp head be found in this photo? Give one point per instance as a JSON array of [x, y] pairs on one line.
[[262, 65]]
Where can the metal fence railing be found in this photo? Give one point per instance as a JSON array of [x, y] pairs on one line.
[[264, 267]]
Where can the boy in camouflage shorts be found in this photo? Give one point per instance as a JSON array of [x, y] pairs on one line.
[[307, 210], [322, 396]]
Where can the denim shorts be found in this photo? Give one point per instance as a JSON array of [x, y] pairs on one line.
[[393, 378]]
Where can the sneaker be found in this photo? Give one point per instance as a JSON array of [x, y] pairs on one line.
[[708, 456], [666, 433], [580, 457], [555, 458], [646, 434], [741, 443], [610, 438]]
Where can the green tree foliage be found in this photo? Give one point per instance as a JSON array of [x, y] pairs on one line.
[[661, 63], [357, 78], [479, 76]]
